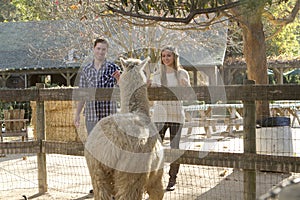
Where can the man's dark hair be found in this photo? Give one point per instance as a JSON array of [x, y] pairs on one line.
[[100, 40]]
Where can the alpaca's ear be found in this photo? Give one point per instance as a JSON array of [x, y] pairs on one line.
[[123, 62], [144, 62], [147, 59]]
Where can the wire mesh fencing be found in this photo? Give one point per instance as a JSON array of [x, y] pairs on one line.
[[214, 167], [68, 178]]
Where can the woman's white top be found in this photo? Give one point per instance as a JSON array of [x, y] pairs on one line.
[[169, 111]]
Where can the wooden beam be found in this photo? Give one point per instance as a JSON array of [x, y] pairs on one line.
[[201, 93], [249, 161], [19, 147], [19, 94], [66, 148], [249, 141], [41, 136], [68, 77]]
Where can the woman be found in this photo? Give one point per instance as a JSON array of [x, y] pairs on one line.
[[170, 114]]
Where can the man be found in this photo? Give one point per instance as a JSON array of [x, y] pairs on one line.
[[100, 73]]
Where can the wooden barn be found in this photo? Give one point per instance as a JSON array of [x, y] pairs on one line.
[[53, 51], [32, 52]]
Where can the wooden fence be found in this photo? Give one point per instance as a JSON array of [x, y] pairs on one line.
[[249, 161]]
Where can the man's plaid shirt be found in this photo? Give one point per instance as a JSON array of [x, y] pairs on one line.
[[91, 78]]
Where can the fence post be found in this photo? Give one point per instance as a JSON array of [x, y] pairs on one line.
[[40, 132], [249, 144]]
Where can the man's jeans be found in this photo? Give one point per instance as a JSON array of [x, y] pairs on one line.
[[89, 126]]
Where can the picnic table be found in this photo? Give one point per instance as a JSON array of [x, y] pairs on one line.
[[286, 108], [231, 115], [211, 115]]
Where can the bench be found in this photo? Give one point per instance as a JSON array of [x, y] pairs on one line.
[[15, 124]]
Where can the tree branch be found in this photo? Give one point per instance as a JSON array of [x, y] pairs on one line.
[[185, 20], [280, 23], [284, 21]]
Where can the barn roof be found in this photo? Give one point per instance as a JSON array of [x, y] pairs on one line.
[[34, 45], [42, 45]]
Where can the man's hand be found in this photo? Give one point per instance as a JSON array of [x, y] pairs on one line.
[[77, 121], [117, 75]]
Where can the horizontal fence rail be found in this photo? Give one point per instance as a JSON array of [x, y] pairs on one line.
[[247, 161], [203, 93]]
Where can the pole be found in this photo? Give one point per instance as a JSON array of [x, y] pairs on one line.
[[41, 156], [249, 144]]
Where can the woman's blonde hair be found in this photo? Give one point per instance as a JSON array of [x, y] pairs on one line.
[[177, 66]]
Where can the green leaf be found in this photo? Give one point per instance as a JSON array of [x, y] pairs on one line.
[[124, 2], [145, 8], [171, 6]]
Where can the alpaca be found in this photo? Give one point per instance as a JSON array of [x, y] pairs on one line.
[[124, 153]]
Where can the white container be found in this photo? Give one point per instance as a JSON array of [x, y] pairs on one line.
[[275, 141]]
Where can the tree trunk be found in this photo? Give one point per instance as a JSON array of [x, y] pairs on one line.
[[255, 54]]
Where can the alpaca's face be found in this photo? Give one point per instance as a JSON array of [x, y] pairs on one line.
[[133, 70]]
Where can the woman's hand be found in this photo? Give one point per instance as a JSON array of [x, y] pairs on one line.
[[149, 83], [184, 82]]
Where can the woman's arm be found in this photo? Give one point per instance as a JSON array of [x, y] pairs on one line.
[[184, 78]]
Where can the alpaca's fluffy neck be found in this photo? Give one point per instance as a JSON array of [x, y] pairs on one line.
[[136, 102]]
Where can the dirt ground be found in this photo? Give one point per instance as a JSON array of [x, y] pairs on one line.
[[68, 177], [219, 184]]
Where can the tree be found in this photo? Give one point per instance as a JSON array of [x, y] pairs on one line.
[[247, 13]]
